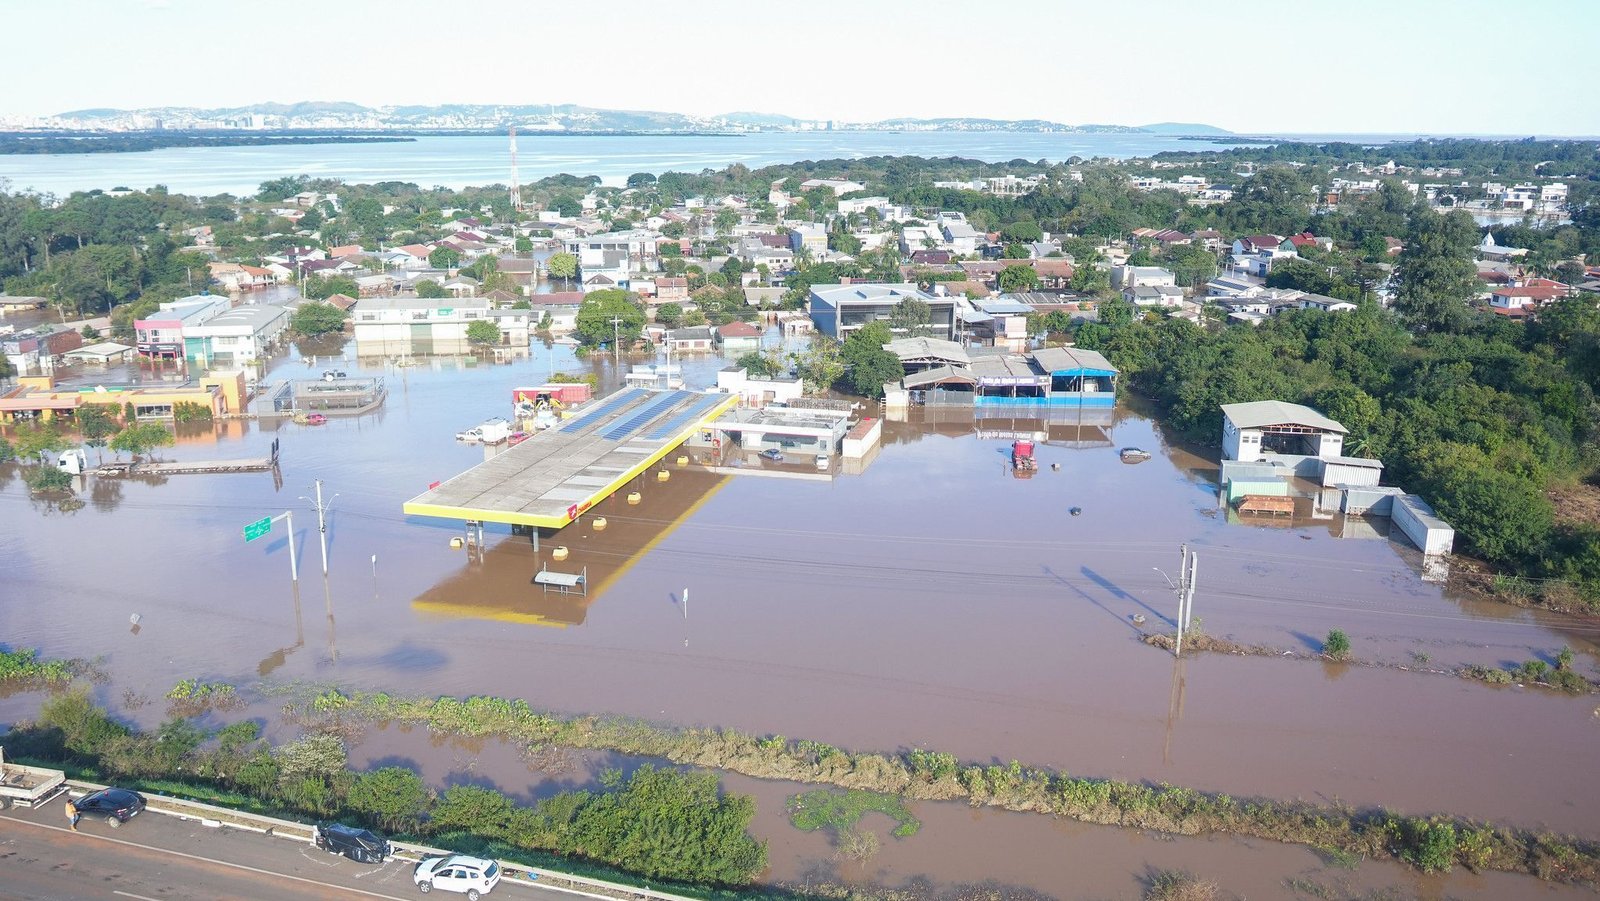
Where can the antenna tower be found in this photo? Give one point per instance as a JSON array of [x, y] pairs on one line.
[[516, 186]]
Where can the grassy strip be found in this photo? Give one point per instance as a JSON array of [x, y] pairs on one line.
[[1431, 844], [1537, 673], [840, 811], [23, 667]]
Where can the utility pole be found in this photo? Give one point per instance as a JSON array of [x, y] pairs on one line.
[[616, 339], [322, 522], [1185, 591]]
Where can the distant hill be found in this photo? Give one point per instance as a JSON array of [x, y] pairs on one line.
[[761, 120], [1183, 128], [537, 117]]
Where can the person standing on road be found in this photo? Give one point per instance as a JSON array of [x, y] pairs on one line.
[[72, 815]]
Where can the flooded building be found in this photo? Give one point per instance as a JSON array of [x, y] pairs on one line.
[[161, 335], [1045, 378], [838, 310], [1266, 428]]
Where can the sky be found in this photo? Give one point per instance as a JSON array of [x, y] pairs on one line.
[[1310, 66]]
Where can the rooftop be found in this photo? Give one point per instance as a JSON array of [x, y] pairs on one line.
[[1261, 413]]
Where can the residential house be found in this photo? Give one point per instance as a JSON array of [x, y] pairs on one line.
[[1252, 244], [411, 256], [755, 296], [838, 310], [603, 268], [694, 339], [462, 286], [959, 235], [1008, 322], [1325, 304], [501, 299], [35, 350], [738, 338], [758, 392], [1153, 295], [1126, 277], [1489, 249], [672, 289], [561, 308]]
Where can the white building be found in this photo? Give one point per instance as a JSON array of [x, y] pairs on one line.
[[1252, 430], [236, 337], [418, 325]]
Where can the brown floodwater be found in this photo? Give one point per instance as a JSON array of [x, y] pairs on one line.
[[932, 601]]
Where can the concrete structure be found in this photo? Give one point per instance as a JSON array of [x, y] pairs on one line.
[[35, 350], [161, 334], [1251, 431], [235, 337], [756, 391], [395, 325], [802, 430], [1240, 479], [838, 310], [1008, 323], [105, 353], [555, 476], [810, 237]]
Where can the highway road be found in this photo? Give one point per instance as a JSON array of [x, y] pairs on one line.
[[155, 857]]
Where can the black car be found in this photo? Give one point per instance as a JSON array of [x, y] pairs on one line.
[[360, 845], [117, 805]]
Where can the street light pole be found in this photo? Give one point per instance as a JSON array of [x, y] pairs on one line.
[[322, 522]]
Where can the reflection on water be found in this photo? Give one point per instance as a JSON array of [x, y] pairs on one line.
[[500, 586]]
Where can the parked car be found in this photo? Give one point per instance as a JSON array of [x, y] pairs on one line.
[[473, 876], [360, 845], [117, 805], [772, 454], [823, 462]]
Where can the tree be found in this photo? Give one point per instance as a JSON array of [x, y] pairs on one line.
[[1021, 232], [483, 331], [324, 288], [599, 308], [819, 365], [1435, 276], [1015, 252], [96, 424], [669, 314], [1276, 200], [524, 244], [141, 438], [562, 265], [1015, 279], [317, 318], [430, 289], [758, 364], [725, 220], [1089, 280], [867, 364], [36, 440], [910, 316], [444, 257]]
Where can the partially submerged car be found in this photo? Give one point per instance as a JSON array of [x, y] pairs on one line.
[[473, 876], [360, 845]]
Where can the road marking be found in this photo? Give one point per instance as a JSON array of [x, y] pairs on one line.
[[132, 895], [210, 860]]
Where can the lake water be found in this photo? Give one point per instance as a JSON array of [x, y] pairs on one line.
[[457, 162], [932, 601]]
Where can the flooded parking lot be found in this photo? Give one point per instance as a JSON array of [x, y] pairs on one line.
[[932, 601]]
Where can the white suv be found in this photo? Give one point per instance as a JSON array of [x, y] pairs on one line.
[[457, 873]]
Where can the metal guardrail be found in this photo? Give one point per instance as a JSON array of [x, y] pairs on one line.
[[515, 873]]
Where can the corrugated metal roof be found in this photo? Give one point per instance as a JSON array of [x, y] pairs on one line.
[[1257, 414], [1072, 359]]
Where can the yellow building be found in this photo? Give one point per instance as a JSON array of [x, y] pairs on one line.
[[37, 398]]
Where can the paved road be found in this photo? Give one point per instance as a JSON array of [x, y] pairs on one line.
[[161, 858]]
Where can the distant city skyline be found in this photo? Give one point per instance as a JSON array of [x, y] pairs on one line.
[[1357, 66]]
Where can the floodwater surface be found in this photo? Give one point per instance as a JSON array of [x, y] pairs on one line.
[[932, 601]]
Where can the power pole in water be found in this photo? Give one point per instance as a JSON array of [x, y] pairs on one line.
[[1186, 581], [616, 339], [322, 522]]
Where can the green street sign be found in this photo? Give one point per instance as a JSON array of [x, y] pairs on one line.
[[256, 529]]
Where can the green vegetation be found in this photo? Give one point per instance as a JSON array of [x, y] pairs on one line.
[[599, 308], [1337, 645], [186, 411], [431, 290], [318, 318], [48, 478], [23, 666], [320, 288], [928, 775], [561, 265], [868, 366], [483, 331], [841, 810], [141, 438], [657, 823]]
